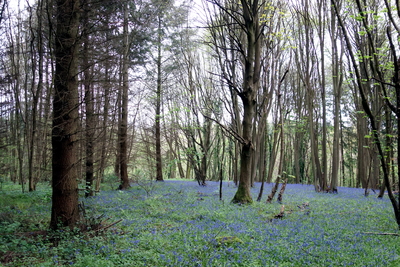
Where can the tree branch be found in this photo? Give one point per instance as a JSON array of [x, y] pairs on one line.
[[233, 133]]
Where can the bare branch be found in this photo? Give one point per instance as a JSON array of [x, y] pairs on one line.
[[233, 133]]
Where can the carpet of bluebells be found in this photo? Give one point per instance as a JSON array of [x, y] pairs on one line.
[[179, 223]]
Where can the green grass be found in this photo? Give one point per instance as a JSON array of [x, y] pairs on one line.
[[178, 223]]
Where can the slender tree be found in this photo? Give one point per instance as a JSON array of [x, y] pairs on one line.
[[337, 78], [157, 125], [89, 102], [123, 119]]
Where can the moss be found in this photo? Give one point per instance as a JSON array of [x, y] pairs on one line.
[[242, 196]]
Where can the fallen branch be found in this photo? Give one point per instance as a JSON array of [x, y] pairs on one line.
[[303, 206], [108, 226], [372, 233]]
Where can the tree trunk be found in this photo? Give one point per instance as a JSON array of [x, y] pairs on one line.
[[248, 96], [363, 156], [337, 77], [36, 92], [280, 195], [315, 162], [103, 140], [273, 190], [123, 125], [243, 193], [263, 160], [89, 105], [159, 171], [64, 211], [321, 33], [105, 120]]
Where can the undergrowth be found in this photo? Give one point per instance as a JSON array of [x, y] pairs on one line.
[[178, 223]]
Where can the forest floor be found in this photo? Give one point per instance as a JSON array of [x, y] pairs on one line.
[[178, 223]]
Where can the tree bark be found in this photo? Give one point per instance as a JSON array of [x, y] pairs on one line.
[[64, 211]]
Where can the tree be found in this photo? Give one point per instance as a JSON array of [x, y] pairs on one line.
[[36, 88], [163, 18], [251, 78], [157, 126], [3, 4], [362, 15], [252, 63], [16, 113], [89, 102], [307, 63], [123, 119], [64, 211], [337, 79]]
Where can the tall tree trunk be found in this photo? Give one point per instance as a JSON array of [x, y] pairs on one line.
[[89, 105], [337, 77], [299, 157], [306, 60], [321, 33], [123, 124], [36, 91], [64, 209], [17, 116], [159, 171], [104, 140], [319, 183], [248, 96], [45, 157]]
